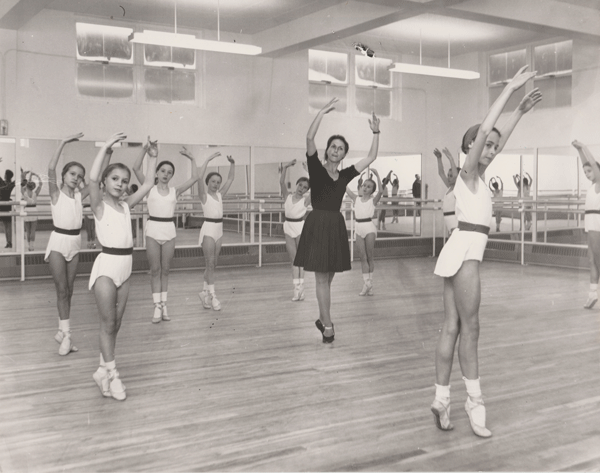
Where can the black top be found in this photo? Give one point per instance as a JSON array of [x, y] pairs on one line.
[[6, 189], [416, 189], [325, 193]]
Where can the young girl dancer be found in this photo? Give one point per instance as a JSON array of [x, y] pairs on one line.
[[31, 192], [497, 187], [63, 247], [449, 202], [365, 229], [160, 227], [384, 192], [592, 218], [211, 195], [323, 246], [7, 185], [524, 192], [295, 210], [112, 268], [459, 260]]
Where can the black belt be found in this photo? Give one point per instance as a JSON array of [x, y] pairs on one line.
[[473, 227], [117, 251], [214, 220], [449, 213], [31, 205], [288, 219], [162, 219], [592, 211], [76, 231], [363, 220]]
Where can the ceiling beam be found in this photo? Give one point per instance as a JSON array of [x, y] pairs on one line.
[[16, 13]]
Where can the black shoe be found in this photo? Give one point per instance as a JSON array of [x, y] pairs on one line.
[[319, 325], [327, 339], [8, 245]]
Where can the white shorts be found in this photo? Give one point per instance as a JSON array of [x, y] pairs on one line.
[[211, 229], [116, 267], [362, 229], [461, 246], [293, 229], [160, 231], [592, 222], [67, 245], [451, 222]]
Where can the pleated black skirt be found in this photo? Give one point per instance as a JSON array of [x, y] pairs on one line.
[[323, 246]]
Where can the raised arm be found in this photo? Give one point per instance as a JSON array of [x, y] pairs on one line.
[[440, 165], [282, 185], [52, 179], [517, 181], [351, 194], [311, 148], [100, 163], [230, 176], [201, 172], [134, 199], [366, 162], [587, 157], [40, 183], [470, 171], [379, 187], [195, 176], [137, 165]]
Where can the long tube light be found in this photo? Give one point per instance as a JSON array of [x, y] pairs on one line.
[[434, 71], [161, 38]]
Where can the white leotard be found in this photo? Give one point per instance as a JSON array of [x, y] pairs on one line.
[[161, 206], [213, 208], [592, 202], [67, 214], [364, 210], [449, 209], [113, 231], [294, 210]]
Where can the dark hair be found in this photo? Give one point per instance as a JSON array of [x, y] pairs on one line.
[[470, 136], [211, 174], [9, 174], [495, 185], [134, 188], [303, 179], [374, 185], [525, 181], [31, 185], [586, 164], [165, 162], [68, 166], [337, 137], [111, 168]]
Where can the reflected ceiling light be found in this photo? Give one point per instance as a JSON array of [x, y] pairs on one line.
[[186, 41], [432, 70]]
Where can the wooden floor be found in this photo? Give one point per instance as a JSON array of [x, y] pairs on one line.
[[252, 388]]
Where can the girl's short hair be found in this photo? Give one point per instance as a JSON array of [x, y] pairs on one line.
[[470, 136], [374, 184], [590, 164], [211, 174], [68, 166], [337, 137], [30, 185], [163, 163], [111, 168], [303, 179]]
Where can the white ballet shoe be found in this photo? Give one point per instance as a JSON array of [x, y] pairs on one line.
[[116, 386], [205, 298], [301, 292], [476, 413], [216, 305], [441, 414], [59, 337], [592, 299], [165, 314], [296, 296], [365, 290], [103, 381], [157, 316]]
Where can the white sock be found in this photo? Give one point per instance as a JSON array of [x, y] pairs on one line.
[[156, 297], [211, 288], [205, 287], [442, 393], [163, 296], [301, 281], [64, 325], [593, 288], [473, 389], [111, 365], [365, 276], [371, 276], [296, 282]]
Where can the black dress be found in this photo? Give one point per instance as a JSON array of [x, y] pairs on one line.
[[323, 246], [6, 189]]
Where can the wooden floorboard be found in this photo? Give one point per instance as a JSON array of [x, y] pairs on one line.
[[252, 388]]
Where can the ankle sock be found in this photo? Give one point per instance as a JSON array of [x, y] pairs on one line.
[[365, 277], [163, 297], [296, 282], [442, 393], [473, 389], [211, 288], [156, 297], [64, 325]]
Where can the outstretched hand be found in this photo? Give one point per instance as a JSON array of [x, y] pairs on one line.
[[290, 164], [437, 153], [374, 123], [70, 139], [185, 152], [214, 155], [577, 144], [152, 148], [530, 100], [330, 106], [115, 139], [521, 78], [230, 159]]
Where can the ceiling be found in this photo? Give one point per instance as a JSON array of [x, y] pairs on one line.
[[388, 26]]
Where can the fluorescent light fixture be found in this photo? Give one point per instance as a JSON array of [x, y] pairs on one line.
[[187, 41], [434, 71]]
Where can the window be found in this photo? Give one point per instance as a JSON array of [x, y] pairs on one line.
[[502, 68], [105, 80], [373, 86], [103, 43], [167, 56], [328, 78], [554, 65], [169, 86]]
